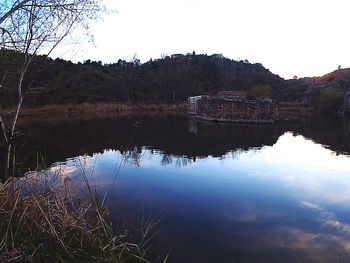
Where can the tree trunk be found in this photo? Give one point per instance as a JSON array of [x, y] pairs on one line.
[[9, 136]]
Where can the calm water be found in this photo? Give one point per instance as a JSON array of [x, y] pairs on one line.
[[225, 193]]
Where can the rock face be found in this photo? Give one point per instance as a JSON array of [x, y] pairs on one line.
[[294, 110], [345, 108], [236, 107]]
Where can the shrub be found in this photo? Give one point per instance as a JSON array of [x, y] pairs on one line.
[[261, 91], [328, 100]]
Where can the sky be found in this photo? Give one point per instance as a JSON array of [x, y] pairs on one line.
[[289, 37]]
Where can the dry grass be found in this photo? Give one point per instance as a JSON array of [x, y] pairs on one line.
[[90, 108], [43, 220]]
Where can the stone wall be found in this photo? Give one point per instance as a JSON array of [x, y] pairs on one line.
[[255, 111]]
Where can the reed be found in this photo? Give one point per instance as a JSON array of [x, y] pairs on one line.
[[43, 219]]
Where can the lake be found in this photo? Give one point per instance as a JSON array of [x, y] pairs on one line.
[[222, 192]]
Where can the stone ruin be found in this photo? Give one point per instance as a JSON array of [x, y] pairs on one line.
[[233, 106]]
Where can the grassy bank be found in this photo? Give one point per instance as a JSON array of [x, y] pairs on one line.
[[94, 108], [45, 220]]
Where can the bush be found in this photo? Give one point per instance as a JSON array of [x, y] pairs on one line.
[[261, 91], [328, 100]]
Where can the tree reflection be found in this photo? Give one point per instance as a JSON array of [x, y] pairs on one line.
[[171, 136], [182, 161], [166, 159], [133, 156]]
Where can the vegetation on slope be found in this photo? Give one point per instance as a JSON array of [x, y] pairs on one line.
[[325, 93], [168, 80], [171, 79]]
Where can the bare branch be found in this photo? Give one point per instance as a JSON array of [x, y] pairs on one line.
[[13, 9], [33, 26]]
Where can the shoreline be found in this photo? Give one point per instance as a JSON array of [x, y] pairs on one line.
[[286, 110], [92, 109]]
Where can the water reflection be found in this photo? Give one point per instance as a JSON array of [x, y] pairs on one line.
[[228, 193]]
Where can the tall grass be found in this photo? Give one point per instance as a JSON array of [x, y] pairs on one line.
[[42, 219]]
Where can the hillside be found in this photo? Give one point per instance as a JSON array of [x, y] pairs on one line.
[[168, 80], [171, 79], [325, 93], [338, 80]]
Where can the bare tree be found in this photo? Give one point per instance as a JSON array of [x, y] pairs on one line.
[[30, 27]]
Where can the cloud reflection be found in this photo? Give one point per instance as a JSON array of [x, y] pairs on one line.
[[327, 218], [302, 166], [307, 246]]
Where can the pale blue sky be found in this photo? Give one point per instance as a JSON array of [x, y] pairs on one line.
[[299, 37]]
